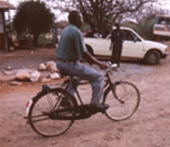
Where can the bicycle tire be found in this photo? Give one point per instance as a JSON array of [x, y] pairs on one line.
[[45, 103], [123, 98]]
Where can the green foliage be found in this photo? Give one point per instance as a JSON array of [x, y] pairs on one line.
[[143, 29], [45, 39], [33, 18], [85, 27], [146, 30]]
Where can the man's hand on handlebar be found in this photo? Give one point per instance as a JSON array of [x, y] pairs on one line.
[[103, 65]]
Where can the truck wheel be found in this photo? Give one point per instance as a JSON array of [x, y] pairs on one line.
[[152, 57]]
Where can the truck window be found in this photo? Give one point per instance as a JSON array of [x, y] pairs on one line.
[[128, 35]]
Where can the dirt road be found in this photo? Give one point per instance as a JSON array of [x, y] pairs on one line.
[[149, 127]]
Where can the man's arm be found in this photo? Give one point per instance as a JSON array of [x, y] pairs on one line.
[[92, 60]]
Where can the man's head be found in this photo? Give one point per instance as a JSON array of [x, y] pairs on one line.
[[75, 18], [117, 25]]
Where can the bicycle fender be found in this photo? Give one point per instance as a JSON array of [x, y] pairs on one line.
[[39, 94]]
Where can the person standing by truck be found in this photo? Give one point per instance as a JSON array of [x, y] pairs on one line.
[[116, 44]]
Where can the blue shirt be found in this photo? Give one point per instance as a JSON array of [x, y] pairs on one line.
[[71, 44]]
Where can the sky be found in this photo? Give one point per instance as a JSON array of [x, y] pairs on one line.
[[165, 4]]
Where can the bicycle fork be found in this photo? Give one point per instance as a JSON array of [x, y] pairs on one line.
[[113, 89]]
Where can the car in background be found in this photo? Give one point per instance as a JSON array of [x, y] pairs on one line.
[[134, 47]]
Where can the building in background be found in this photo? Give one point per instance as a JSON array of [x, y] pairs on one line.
[[4, 6]]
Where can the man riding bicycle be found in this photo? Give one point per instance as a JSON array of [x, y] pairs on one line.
[[71, 49]]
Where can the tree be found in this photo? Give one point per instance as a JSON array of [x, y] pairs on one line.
[[102, 14], [33, 18], [145, 19]]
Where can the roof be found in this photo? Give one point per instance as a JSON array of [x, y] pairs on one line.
[[6, 5]]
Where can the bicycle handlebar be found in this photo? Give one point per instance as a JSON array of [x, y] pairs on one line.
[[111, 67]]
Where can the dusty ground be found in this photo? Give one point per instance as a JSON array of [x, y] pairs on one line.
[[149, 127]]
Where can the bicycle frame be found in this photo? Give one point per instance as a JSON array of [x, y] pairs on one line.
[[72, 81]]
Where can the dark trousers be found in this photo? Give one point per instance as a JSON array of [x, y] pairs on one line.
[[116, 54]]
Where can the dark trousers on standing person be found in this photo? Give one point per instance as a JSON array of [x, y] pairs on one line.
[[116, 54]]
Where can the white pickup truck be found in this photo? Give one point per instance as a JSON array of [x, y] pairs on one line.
[[134, 47]]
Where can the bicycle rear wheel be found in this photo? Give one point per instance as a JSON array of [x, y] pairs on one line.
[[123, 98], [43, 113]]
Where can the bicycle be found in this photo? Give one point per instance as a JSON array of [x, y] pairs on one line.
[[49, 116]]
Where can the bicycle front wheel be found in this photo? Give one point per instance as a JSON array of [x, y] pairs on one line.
[[44, 111], [123, 98]]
